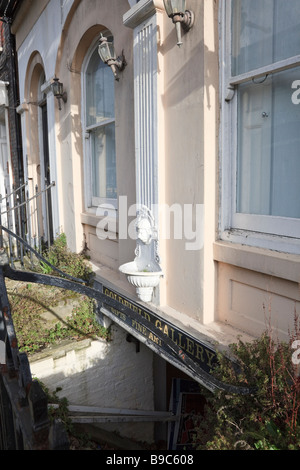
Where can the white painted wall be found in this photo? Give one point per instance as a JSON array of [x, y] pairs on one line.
[[109, 375], [46, 31]]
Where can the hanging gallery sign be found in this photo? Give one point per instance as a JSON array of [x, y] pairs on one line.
[[195, 357], [156, 330]]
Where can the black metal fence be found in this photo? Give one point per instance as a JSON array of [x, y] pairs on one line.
[[24, 421], [29, 216]]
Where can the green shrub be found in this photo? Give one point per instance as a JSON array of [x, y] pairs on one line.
[[33, 333], [266, 420], [81, 324], [71, 263], [28, 301]]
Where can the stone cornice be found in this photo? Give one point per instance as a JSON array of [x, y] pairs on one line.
[[141, 11]]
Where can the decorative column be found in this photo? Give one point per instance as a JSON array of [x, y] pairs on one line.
[[145, 271]]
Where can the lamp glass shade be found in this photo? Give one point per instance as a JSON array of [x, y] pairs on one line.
[[174, 7], [57, 87], [106, 50]]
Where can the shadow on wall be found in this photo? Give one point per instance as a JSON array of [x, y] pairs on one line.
[[189, 79], [107, 375]]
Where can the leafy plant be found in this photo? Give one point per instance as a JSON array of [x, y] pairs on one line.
[[29, 301], [33, 333], [67, 261], [60, 412], [266, 420], [82, 323]]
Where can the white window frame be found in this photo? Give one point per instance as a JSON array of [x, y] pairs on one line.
[[277, 233], [92, 203]]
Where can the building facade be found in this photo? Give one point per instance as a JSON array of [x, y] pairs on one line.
[[182, 173], [11, 159]]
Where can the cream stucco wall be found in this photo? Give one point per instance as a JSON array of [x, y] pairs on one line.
[[190, 113], [61, 41], [182, 104], [254, 302], [257, 288], [83, 27]]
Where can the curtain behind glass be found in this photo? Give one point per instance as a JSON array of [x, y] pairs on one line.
[[269, 147], [268, 154], [104, 162], [263, 32]]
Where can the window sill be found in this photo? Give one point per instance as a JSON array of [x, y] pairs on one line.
[[92, 220], [266, 241], [282, 265]]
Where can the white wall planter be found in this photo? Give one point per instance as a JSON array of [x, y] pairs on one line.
[[144, 272], [144, 280]]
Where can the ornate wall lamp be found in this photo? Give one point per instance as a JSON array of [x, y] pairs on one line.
[[180, 16], [107, 54], [58, 91]]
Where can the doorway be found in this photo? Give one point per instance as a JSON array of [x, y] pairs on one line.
[[46, 174], [5, 177]]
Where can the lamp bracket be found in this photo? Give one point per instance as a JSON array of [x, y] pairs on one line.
[[186, 19], [118, 63], [63, 97]]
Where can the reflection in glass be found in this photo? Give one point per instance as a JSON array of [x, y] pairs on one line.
[[268, 163]]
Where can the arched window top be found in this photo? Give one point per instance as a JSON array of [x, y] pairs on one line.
[[99, 91]]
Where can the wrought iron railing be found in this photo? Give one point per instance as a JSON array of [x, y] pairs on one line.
[[24, 419], [28, 216]]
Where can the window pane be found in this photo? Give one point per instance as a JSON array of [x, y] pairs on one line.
[[99, 91], [104, 162], [100, 107], [263, 32], [268, 164]]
